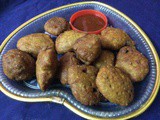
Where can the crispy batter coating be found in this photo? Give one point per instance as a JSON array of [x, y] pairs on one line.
[[33, 43], [46, 66], [132, 62], [18, 65], [56, 25], [114, 38], [115, 85], [82, 82], [130, 43], [66, 40], [67, 60], [88, 48], [106, 58]]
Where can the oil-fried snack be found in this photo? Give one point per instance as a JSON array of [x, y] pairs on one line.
[[132, 62], [33, 43], [46, 66], [115, 85], [114, 38], [82, 82], [130, 43], [18, 65], [66, 40], [56, 25], [106, 58], [87, 48], [65, 62]]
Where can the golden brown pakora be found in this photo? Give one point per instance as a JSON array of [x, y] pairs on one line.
[[67, 60], [106, 58], [133, 63], [115, 38], [115, 85], [46, 66], [82, 83], [56, 25], [34, 43], [87, 48], [65, 41], [18, 65]]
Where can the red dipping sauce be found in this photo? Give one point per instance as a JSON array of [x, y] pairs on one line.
[[88, 23]]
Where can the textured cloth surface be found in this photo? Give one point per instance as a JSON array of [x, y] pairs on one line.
[[146, 13]]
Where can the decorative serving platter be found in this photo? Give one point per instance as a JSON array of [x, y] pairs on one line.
[[145, 91]]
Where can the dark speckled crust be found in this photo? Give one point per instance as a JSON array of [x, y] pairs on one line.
[[114, 38], [82, 82], [46, 66], [65, 62], [115, 85], [18, 65], [88, 48], [106, 58], [132, 62], [34, 43], [56, 26]]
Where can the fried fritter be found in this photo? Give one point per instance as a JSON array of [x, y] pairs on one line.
[[33, 43], [56, 25], [114, 38], [106, 58], [115, 85], [82, 83], [65, 62], [46, 66], [87, 48], [18, 65], [132, 62], [66, 40]]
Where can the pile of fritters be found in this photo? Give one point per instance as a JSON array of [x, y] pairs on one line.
[[95, 66], [35, 56]]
